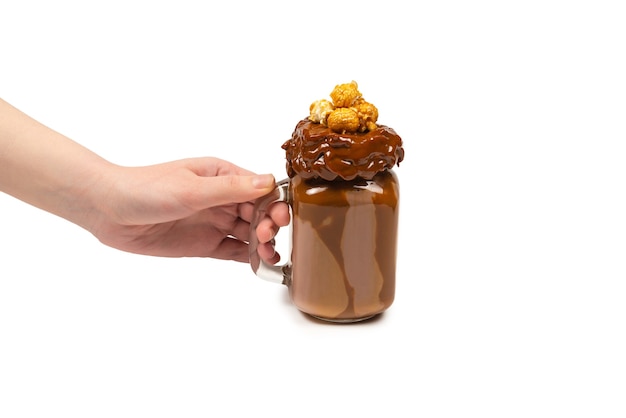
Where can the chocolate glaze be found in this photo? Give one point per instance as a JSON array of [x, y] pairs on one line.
[[315, 151]]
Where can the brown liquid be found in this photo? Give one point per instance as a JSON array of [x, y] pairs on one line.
[[344, 246]]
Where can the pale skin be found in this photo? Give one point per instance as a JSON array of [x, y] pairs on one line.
[[196, 207]]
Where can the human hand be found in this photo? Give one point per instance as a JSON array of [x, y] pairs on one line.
[[194, 207], [197, 207]]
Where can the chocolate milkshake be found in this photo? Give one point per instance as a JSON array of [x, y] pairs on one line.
[[344, 197]]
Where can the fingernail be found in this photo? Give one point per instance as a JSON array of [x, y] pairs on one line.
[[263, 181]]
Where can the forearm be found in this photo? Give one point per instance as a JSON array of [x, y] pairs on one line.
[[48, 170]]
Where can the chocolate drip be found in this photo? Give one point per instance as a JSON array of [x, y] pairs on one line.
[[316, 151], [344, 246]]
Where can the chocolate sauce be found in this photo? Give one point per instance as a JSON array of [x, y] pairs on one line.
[[315, 151]]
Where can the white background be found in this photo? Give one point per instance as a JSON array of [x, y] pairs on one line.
[[511, 283]]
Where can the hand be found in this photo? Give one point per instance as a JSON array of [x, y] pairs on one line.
[[199, 207], [268, 228]]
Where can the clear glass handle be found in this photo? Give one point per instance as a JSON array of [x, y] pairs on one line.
[[273, 273]]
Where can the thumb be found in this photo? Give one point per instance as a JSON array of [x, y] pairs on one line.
[[221, 190]]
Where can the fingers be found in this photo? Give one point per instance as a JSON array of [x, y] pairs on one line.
[[211, 167], [266, 230], [232, 249], [241, 230], [222, 190], [279, 212], [268, 253], [278, 216]]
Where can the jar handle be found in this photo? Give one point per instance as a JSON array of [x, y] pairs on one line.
[[274, 273]]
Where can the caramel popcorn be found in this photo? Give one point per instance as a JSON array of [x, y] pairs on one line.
[[368, 115], [320, 110], [347, 113], [345, 95], [343, 119]]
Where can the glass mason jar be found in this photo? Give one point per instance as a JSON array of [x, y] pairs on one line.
[[342, 266]]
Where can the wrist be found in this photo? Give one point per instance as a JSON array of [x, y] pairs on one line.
[[92, 200]]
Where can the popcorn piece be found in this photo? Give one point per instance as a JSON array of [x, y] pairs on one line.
[[345, 95], [319, 111], [343, 120], [348, 111], [368, 115]]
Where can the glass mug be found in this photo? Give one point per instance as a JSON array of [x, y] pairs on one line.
[[342, 266]]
